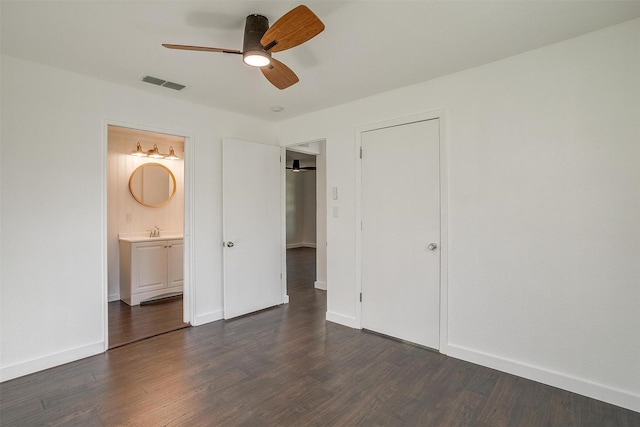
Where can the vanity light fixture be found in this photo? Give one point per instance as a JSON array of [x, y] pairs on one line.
[[138, 152], [172, 155], [154, 153]]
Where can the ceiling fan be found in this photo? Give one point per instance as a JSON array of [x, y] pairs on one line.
[[296, 167], [295, 27]]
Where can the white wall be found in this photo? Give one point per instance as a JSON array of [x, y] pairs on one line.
[[544, 209], [124, 213], [53, 230], [301, 209]]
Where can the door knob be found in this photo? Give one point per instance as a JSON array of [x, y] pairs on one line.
[[229, 244], [433, 247]]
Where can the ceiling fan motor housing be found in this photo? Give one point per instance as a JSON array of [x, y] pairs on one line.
[[254, 29]]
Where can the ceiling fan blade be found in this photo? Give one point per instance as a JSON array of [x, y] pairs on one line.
[[200, 48], [293, 28], [308, 168], [279, 74]]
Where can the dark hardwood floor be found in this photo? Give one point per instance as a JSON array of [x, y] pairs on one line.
[[288, 366], [128, 324]]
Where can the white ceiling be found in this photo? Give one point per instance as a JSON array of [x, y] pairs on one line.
[[367, 47]]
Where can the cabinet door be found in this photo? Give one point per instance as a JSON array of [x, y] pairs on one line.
[[149, 266], [175, 264]]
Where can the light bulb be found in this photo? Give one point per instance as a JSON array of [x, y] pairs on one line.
[[256, 58]]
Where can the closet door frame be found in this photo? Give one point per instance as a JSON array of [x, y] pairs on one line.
[[444, 244]]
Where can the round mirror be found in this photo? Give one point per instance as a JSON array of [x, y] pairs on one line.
[[152, 185]]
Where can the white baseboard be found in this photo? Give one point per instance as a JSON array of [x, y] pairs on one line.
[[285, 299], [49, 361], [320, 285], [114, 297], [208, 317], [341, 319], [300, 245], [570, 383]]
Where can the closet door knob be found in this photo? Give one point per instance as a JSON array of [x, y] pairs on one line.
[[229, 244], [432, 247]]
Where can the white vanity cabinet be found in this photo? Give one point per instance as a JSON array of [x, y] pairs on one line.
[[149, 268]]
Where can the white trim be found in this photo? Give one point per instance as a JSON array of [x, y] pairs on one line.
[[320, 285], [50, 361], [189, 288], [341, 319], [439, 114], [570, 383], [283, 226], [104, 220], [444, 227], [208, 317]]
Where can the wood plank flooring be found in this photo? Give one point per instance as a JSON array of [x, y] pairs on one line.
[[128, 324], [287, 366]]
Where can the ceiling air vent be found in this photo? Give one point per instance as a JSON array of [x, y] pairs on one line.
[[172, 85], [163, 83]]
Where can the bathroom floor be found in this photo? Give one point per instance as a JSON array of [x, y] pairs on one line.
[[129, 324]]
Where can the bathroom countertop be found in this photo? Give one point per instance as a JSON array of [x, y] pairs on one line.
[[147, 238]]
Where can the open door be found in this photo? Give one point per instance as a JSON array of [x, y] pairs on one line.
[[252, 227]]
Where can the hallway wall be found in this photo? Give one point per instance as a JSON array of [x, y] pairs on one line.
[[301, 208]]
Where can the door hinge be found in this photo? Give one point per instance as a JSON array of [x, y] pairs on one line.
[[360, 296], [360, 152]]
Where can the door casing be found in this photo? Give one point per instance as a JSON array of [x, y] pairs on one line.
[[188, 286]]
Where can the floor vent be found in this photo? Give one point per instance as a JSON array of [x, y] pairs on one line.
[[163, 83]]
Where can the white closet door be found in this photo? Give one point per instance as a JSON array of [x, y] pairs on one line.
[[400, 220]]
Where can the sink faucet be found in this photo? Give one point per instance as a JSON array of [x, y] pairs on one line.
[[155, 232]]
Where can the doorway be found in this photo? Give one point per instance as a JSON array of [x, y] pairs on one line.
[[400, 231], [145, 235], [305, 213]]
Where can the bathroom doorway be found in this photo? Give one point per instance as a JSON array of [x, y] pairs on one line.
[[145, 232]]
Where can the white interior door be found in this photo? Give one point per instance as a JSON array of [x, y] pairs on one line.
[[400, 220], [251, 227]]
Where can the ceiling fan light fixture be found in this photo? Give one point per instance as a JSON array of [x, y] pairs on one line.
[[295, 27], [256, 58], [296, 166]]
